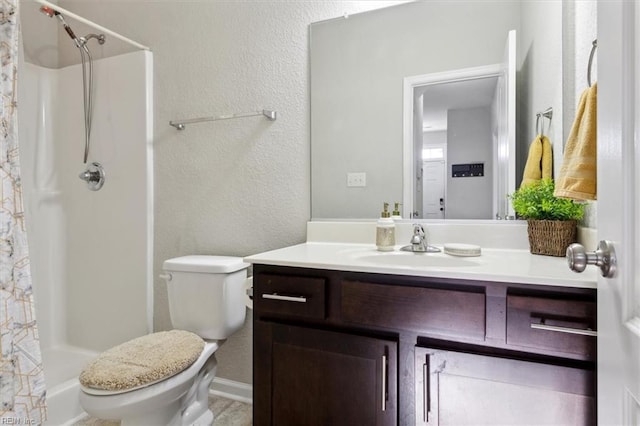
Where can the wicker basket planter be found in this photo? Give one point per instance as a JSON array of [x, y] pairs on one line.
[[551, 237]]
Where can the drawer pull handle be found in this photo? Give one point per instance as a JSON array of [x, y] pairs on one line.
[[276, 296], [564, 329]]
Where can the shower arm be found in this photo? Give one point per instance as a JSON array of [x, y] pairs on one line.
[[100, 37]]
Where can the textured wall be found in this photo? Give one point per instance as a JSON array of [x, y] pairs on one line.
[[235, 187]]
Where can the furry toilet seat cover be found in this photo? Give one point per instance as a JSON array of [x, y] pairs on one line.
[[144, 360]]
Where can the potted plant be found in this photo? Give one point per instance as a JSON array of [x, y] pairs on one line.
[[552, 222]]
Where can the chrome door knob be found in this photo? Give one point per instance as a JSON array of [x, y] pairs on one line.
[[604, 257]]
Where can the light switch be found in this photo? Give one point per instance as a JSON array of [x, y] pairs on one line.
[[358, 179]]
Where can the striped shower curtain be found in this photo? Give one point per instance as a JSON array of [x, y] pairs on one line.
[[22, 388]]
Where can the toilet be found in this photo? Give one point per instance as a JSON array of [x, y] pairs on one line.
[[207, 305]]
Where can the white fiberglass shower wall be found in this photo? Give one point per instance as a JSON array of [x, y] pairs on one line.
[[91, 251]]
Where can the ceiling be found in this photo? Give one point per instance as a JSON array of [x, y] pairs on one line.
[[441, 97]]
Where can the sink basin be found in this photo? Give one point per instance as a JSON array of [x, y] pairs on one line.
[[415, 260]]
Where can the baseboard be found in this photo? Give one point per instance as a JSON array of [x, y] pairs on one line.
[[231, 389]]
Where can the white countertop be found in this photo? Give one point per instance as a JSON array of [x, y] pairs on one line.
[[499, 265]]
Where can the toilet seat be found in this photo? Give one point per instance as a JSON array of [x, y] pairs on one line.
[[104, 392], [141, 362]]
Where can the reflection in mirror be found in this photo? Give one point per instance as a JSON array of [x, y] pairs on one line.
[[457, 135], [358, 66], [469, 115]]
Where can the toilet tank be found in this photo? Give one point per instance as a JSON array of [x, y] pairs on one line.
[[206, 294]]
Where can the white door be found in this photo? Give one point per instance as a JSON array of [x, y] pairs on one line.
[[433, 191], [618, 210]]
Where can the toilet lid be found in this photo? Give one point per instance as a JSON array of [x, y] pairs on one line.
[[142, 361]]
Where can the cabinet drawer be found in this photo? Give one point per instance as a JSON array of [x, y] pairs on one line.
[[552, 325], [290, 296], [425, 310]]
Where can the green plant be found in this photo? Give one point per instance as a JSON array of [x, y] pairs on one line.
[[536, 201]]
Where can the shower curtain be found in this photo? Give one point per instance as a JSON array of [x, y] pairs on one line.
[[22, 387]]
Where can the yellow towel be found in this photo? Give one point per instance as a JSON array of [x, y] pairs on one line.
[[547, 159], [577, 177], [539, 162]]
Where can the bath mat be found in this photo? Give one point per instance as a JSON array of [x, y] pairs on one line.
[[144, 360]]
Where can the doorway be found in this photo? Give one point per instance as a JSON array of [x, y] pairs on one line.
[[451, 102]]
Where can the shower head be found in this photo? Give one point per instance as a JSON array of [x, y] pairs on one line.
[[51, 13], [48, 11]]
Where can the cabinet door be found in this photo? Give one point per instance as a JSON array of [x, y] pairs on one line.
[[323, 378], [454, 388]]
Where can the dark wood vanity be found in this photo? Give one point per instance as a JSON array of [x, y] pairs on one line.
[[352, 348]]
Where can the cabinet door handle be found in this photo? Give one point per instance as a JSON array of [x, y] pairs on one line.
[[276, 296], [427, 389], [384, 382], [569, 330]]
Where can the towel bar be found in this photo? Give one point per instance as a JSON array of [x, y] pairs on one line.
[[181, 124]]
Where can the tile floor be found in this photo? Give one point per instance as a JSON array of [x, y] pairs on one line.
[[226, 411]]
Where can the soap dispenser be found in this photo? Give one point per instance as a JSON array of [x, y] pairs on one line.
[[395, 214], [385, 231]]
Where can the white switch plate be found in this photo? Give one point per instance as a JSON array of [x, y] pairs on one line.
[[356, 179]]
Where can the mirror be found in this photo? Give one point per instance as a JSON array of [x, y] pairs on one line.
[[359, 63]]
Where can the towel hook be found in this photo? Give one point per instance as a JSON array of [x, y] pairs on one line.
[[594, 45], [547, 113]]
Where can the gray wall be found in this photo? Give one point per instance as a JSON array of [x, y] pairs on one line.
[[469, 140], [235, 187], [541, 63]]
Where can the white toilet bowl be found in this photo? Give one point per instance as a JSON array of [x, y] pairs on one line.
[[178, 400], [206, 298]]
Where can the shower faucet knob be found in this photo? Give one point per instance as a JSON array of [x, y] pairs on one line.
[[94, 176], [88, 176]]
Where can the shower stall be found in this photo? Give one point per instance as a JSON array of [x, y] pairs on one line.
[[91, 251]]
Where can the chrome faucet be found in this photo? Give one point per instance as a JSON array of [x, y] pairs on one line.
[[419, 242], [419, 239]]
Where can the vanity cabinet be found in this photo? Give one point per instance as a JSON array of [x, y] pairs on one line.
[[314, 376], [345, 348]]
